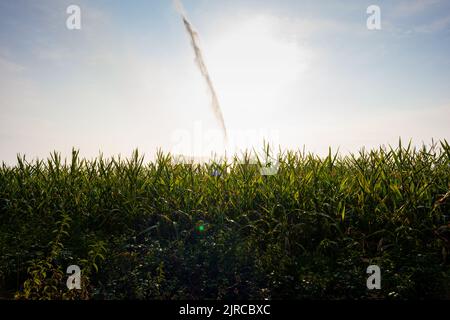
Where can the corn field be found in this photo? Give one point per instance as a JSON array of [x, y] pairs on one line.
[[221, 230]]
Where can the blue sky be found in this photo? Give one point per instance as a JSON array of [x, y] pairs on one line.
[[295, 72]]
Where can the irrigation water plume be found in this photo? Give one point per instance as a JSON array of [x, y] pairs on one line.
[[202, 67]]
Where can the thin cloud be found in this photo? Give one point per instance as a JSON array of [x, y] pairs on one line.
[[435, 26], [414, 7]]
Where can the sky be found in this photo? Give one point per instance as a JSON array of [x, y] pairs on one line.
[[298, 74]]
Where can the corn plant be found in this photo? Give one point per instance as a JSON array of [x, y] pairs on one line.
[[170, 230]]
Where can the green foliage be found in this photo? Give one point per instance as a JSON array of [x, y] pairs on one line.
[[170, 230]]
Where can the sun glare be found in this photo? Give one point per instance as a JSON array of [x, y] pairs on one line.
[[253, 63]]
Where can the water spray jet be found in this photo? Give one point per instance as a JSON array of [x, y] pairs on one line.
[[202, 67]]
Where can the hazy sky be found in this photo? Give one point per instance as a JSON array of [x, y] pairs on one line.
[[294, 72]]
